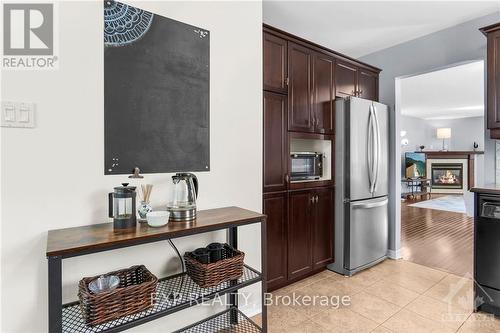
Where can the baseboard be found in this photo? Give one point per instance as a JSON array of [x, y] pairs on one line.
[[394, 254]]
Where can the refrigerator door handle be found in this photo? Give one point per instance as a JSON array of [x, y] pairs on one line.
[[371, 151], [378, 149], [362, 205], [369, 146]]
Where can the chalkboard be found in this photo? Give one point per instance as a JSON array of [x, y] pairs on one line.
[[156, 93]]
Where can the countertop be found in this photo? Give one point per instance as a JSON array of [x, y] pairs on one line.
[[490, 188]]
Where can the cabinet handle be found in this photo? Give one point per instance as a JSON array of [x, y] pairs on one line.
[[312, 199], [287, 81], [287, 178], [316, 199]]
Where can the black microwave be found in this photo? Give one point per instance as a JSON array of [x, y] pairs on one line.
[[306, 166]]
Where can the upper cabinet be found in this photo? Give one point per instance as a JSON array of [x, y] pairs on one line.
[[353, 80], [492, 33], [346, 77], [275, 63], [313, 76], [275, 142], [300, 117], [311, 92], [367, 85], [323, 93]]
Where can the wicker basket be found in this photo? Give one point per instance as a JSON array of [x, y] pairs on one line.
[[132, 295], [230, 267]]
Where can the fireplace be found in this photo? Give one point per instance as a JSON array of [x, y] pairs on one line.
[[467, 175], [447, 175]]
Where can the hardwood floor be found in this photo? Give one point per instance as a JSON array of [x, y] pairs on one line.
[[437, 239]]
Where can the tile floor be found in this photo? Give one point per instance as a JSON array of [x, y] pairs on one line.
[[394, 296]]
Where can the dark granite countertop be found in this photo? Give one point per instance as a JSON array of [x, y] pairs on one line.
[[490, 188]]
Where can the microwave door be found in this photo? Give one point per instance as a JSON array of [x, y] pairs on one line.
[[306, 166], [302, 167]]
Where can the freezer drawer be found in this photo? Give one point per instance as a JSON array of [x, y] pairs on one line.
[[368, 232]]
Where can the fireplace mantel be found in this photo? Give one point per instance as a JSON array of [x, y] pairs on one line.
[[468, 154], [457, 154]]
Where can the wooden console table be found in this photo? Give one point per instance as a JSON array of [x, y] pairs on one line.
[[79, 241]]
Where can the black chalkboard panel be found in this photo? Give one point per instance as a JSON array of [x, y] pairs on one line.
[[156, 93]]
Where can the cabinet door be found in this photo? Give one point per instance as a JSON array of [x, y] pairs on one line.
[[274, 63], [493, 73], [299, 90], [323, 93], [345, 79], [323, 228], [299, 234], [368, 85], [275, 207], [275, 142]]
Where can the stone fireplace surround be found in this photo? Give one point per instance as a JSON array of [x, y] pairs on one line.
[[468, 158], [465, 173]]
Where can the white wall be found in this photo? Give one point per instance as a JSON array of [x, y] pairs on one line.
[[457, 44], [53, 175], [416, 133], [464, 131]]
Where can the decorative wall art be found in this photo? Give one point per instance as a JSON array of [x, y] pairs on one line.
[[156, 92], [415, 164]]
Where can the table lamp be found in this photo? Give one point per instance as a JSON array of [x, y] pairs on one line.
[[443, 133]]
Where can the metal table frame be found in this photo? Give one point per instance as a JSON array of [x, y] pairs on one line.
[[55, 304]]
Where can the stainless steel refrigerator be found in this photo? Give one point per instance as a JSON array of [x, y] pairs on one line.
[[362, 184]]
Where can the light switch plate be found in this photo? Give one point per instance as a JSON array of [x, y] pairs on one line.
[[18, 114]]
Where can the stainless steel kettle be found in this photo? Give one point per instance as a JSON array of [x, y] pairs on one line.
[[182, 197]]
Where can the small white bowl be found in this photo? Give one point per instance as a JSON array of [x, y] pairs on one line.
[[157, 218]]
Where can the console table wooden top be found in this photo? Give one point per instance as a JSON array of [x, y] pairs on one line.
[[77, 241]]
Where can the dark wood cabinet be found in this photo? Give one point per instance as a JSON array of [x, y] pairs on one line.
[[367, 85], [299, 88], [299, 234], [275, 207], [275, 141], [352, 80], [311, 91], [346, 76], [323, 227], [323, 93], [275, 63], [301, 82], [492, 33], [310, 231]]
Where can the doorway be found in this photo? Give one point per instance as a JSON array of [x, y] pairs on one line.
[[441, 132]]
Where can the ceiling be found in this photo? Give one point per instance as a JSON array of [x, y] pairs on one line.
[[358, 28], [455, 92]]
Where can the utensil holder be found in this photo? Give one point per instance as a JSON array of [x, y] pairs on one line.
[[215, 251]]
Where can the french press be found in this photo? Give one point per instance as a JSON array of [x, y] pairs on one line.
[[122, 207]]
